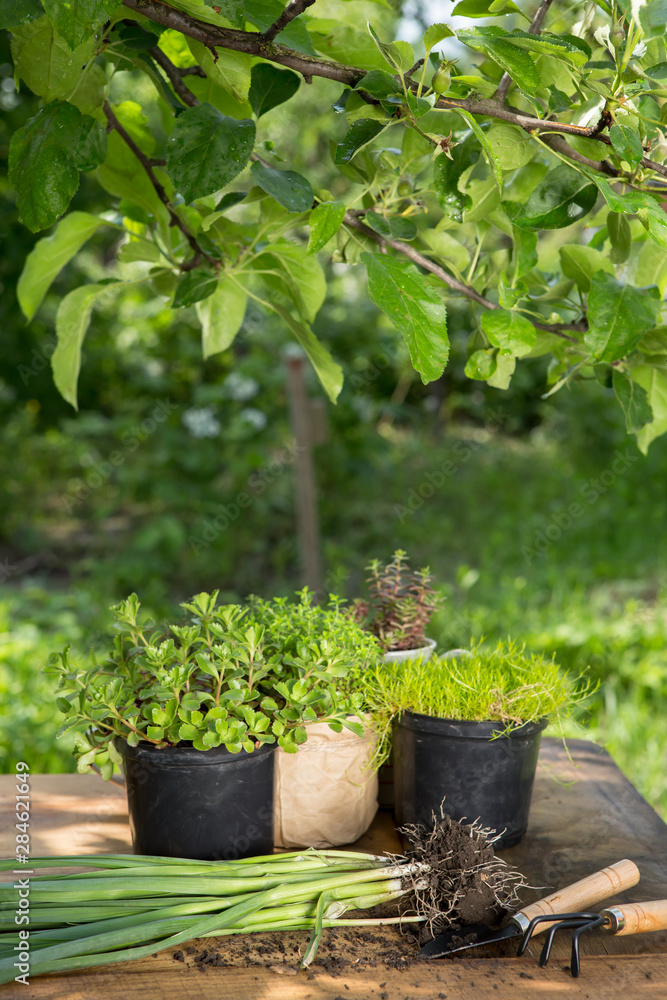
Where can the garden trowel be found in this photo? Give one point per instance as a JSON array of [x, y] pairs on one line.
[[578, 896]]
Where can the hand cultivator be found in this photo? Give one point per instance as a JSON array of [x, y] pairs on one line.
[[628, 918]]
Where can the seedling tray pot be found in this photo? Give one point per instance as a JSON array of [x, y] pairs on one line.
[[208, 805], [463, 767]]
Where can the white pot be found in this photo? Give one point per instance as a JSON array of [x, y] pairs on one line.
[[423, 653]]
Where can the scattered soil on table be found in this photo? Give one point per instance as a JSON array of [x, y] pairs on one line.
[[341, 949]]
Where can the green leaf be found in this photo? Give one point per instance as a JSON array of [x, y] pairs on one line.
[[329, 373], [618, 316], [491, 157], [654, 382], [188, 732], [194, 286], [524, 253], [565, 196], [207, 150], [301, 277], [505, 366], [400, 55], [446, 173], [481, 364], [510, 331], [290, 189], [546, 44], [380, 84], [634, 401], [495, 43], [91, 148], [447, 248], [49, 256], [72, 321], [45, 62], [77, 20], [435, 34], [121, 174], [627, 144], [581, 262], [620, 237], [638, 203], [379, 223], [360, 133], [16, 12], [481, 8], [402, 228], [45, 156], [650, 267], [231, 70], [397, 287], [221, 315], [511, 146], [271, 86], [325, 221]]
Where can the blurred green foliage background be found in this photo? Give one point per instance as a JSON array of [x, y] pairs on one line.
[[540, 517]]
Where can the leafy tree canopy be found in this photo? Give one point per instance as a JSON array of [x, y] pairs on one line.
[[527, 175]]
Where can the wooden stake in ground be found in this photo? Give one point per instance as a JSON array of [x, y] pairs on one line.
[[307, 425]]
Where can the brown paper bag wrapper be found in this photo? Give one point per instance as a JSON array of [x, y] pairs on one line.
[[324, 794]]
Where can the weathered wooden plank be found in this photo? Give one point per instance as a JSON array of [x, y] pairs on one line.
[[584, 816], [483, 979]]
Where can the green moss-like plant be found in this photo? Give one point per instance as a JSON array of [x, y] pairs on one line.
[[504, 685]]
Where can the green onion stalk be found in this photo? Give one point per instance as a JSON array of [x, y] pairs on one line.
[[130, 906]]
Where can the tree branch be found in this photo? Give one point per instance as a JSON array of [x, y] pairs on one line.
[[292, 10], [561, 146], [252, 43], [115, 126], [534, 29], [174, 75], [244, 41], [457, 286]]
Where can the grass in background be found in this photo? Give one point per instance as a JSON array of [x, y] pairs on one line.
[[589, 590]]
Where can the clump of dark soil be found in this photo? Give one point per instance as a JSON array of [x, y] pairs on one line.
[[463, 882]]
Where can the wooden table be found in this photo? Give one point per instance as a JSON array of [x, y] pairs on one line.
[[585, 815]]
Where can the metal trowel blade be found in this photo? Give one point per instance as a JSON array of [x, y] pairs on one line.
[[473, 936]]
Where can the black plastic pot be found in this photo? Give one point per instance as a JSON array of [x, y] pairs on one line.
[[209, 805], [460, 765]]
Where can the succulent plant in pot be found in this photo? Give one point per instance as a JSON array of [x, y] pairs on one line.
[[400, 604], [466, 732], [325, 794], [193, 713]]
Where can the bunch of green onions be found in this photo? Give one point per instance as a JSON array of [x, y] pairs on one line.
[[134, 905]]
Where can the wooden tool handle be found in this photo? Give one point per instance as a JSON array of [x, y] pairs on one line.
[[637, 918], [583, 894]]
